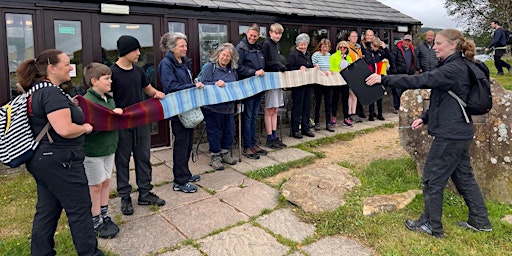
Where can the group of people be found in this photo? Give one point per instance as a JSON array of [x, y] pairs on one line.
[[73, 164]]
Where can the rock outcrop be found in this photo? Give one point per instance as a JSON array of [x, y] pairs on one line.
[[491, 151]]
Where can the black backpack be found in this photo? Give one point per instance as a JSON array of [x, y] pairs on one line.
[[479, 99], [508, 36]]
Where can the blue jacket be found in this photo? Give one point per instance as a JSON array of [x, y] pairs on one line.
[[212, 73], [251, 58], [175, 76], [444, 116], [499, 39]]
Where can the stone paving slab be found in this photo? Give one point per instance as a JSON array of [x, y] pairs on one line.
[[175, 199], [245, 240], [286, 155], [142, 236], [222, 180], [251, 199], [251, 165], [200, 218], [285, 223], [336, 246], [186, 251]]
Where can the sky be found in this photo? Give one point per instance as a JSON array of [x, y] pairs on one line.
[[430, 12]]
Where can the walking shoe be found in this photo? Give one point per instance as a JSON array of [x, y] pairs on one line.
[[249, 153], [216, 162], [362, 115], [477, 229], [329, 128], [278, 141], [380, 117], [273, 144], [317, 127], [186, 188], [499, 74], [150, 199], [227, 159], [297, 135], [333, 121], [371, 118], [308, 133], [108, 221], [259, 151], [395, 111], [422, 228], [105, 231], [194, 178], [126, 205], [347, 122]]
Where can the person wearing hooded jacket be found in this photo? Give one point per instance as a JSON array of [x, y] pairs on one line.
[[251, 62], [448, 156], [401, 62]]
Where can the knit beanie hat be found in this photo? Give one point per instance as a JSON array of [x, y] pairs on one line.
[[126, 44]]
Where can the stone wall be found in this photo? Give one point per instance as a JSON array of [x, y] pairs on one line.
[[491, 151]]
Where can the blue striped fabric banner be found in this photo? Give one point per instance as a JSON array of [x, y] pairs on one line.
[[182, 101]]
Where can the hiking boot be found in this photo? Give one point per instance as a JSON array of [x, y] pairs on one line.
[[150, 199], [333, 121], [297, 135], [194, 178], [317, 127], [227, 159], [280, 143], [380, 117], [126, 205], [273, 144], [421, 228], [347, 122], [108, 221], [371, 118], [186, 188], [474, 228], [259, 151], [105, 231], [330, 128], [216, 162], [308, 133], [249, 153]]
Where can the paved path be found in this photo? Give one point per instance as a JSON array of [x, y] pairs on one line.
[[230, 214]]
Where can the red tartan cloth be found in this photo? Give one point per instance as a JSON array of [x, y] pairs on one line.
[[104, 119]]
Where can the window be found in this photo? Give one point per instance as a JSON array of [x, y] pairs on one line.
[[20, 44], [68, 38], [177, 27], [210, 37], [243, 28], [317, 34]]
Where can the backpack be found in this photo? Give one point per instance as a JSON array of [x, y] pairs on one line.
[[200, 75], [479, 99], [17, 142], [508, 36]]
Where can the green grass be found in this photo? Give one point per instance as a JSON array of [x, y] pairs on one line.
[[505, 80]]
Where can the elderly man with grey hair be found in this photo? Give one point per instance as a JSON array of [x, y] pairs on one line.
[[300, 59]]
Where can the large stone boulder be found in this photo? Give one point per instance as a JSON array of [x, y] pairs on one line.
[[491, 151]]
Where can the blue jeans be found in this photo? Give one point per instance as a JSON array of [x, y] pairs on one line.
[[249, 118], [397, 93], [450, 159]]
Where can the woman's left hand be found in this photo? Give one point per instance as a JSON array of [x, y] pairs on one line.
[[159, 95], [199, 85], [373, 79], [220, 83]]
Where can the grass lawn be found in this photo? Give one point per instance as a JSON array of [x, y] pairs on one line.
[[505, 80]]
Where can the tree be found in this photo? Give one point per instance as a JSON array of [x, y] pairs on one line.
[[476, 15]]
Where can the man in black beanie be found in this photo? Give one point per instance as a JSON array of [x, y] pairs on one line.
[[128, 82]]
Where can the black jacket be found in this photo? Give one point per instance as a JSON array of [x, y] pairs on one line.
[[250, 60], [296, 59], [426, 59], [444, 117], [372, 57], [397, 62], [272, 57]]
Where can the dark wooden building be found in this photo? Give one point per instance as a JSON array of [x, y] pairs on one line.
[[88, 30]]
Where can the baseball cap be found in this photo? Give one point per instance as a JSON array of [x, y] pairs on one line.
[[408, 37]]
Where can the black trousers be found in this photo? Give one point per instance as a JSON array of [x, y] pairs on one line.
[[138, 141], [326, 91], [371, 107], [182, 148], [301, 105], [450, 159], [498, 62], [61, 184]]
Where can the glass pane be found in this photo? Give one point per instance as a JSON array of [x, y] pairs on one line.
[[342, 34], [287, 42], [110, 32], [317, 34], [20, 44], [68, 38], [243, 28], [177, 27], [210, 37]]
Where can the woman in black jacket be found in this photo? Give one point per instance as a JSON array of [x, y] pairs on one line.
[[449, 153]]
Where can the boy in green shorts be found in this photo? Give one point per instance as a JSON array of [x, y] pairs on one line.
[[99, 148]]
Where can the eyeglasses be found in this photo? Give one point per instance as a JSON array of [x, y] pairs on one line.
[[343, 47]]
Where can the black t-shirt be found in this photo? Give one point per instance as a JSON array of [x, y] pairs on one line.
[[48, 100], [128, 85]]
